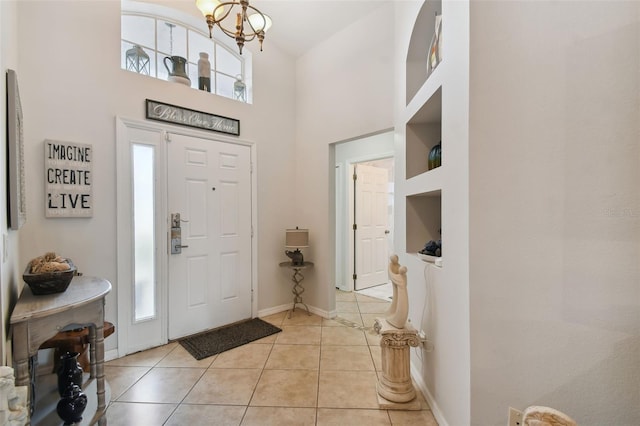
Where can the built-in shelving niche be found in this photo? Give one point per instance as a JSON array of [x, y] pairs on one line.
[[419, 47], [423, 132], [424, 219]]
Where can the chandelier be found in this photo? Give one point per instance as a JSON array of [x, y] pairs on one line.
[[250, 22]]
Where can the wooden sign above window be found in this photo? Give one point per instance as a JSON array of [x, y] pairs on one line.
[[187, 117]]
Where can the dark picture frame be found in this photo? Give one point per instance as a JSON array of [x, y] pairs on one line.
[[16, 196], [160, 111]]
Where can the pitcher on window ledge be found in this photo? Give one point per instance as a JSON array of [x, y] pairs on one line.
[[178, 70]]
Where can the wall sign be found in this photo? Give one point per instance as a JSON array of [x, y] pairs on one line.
[[187, 117], [68, 175]]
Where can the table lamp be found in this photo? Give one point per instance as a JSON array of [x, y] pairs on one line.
[[296, 239]]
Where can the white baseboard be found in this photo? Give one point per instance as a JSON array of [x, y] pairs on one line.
[[419, 381], [320, 312], [111, 355], [288, 306], [274, 310]]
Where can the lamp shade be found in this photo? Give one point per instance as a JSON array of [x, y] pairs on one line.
[[297, 238], [260, 21], [206, 7]]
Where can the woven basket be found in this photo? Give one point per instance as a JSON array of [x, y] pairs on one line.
[[49, 282]]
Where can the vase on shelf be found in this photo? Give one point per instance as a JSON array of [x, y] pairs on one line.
[[204, 72], [434, 55], [72, 405], [435, 157], [70, 372]]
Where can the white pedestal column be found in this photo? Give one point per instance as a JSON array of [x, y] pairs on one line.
[[395, 388], [13, 400]]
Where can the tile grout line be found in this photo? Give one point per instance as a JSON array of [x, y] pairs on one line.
[[246, 409]]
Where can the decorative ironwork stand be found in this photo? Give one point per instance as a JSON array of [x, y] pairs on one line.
[[297, 289]]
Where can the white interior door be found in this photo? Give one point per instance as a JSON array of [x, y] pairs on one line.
[[209, 184], [371, 213]]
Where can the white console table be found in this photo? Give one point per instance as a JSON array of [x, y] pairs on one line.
[[35, 319]]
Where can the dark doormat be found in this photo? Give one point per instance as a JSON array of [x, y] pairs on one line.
[[222, 339]]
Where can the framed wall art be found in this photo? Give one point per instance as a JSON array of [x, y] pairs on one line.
[[16, 197]]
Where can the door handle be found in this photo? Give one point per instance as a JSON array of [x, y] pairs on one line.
[[386, 231], [176, 245], [176, 234]]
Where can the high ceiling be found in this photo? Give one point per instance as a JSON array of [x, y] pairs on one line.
[[301, 24], [298, 24]]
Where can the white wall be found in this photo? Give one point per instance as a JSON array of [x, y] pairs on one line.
[[72, 89], [344, 89], [10, 270], [439, 297], [555, 209]]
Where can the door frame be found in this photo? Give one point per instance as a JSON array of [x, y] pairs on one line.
[[354, 246], [124, 224], [344, 209]]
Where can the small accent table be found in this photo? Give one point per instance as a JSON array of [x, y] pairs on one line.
[[297, 289], [35, 319]]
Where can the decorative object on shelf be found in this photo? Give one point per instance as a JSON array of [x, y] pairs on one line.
[[49, 274], [435, 47], [16, 197], [247, 26], [69, 373], [72, 405], [178, 70], [137, 60], [435, 157], [432, 248], [239, 89], [296, 239], [204, 72], [160, 111]]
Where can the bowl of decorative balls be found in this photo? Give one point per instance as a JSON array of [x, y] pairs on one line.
[[49, 274]]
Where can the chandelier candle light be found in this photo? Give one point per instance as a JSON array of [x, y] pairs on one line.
[[255, 24]]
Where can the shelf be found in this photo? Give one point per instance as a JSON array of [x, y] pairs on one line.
[[424, 219], [423, 132], [436, 260], [423, 29], [415, 111], [425, 183], [47, 398]]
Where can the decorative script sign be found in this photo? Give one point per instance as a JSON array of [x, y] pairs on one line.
[[68, 175], [187, 117]]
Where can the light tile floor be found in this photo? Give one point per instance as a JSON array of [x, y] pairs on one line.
[[315, 372], [382, 291]]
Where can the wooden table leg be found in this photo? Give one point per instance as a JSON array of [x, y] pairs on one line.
[[96, 356]]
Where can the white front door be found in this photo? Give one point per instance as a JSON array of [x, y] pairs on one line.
[[209, 185], [371, 213]]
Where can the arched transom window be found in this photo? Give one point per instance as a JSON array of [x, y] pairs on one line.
[[148, 36]]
